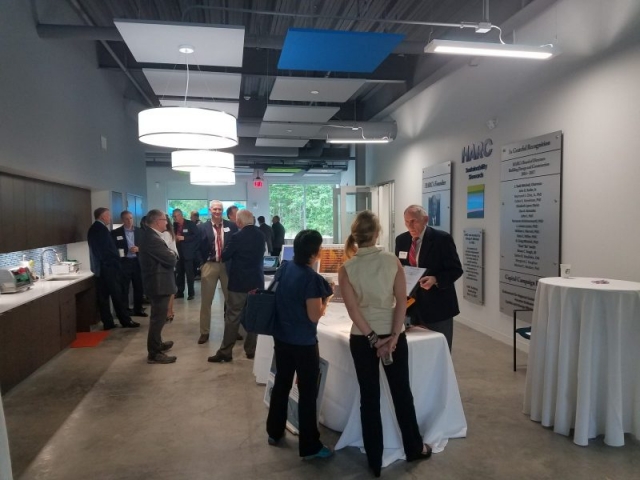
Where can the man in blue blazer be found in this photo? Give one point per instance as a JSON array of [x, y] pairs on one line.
[[188, 243], [105, 265], [426, 247], [214, 235], [127, 239], [245, 252]]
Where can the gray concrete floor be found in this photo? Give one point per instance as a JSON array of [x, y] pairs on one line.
[[104, 413]]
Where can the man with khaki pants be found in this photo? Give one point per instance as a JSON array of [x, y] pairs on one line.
[[214, 234]]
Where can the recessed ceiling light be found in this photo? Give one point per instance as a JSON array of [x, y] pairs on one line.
[[186, 49], [289, 130], [314, 92]]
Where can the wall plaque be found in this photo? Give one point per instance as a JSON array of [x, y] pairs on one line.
[[436, 195], [473, 262], [530, 182]]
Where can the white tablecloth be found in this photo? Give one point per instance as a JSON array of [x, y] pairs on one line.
[[433, 383], [584, 359]]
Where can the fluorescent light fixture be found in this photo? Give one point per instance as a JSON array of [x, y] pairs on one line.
[[318, 175], [187, 127], [484, 49], [359, 140], [187, 160], [267, 174]]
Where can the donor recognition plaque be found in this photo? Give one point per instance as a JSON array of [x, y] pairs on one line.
[[473, 260], [530, 181], [436, 195]]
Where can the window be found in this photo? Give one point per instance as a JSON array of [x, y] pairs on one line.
[[303, 206], [202, 207]]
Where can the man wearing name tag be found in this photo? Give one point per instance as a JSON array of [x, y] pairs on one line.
[[214, 234], [425, 247]]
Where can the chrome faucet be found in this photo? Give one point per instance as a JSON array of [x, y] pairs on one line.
[[42, 258]]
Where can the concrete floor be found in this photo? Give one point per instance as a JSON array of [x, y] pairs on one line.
[[104, 413]]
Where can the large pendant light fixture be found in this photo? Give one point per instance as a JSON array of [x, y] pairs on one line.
[[187, 160], [213, 176], [187, 127]]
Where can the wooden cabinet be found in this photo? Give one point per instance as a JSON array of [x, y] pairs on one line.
[[61, 213], [33, 333]]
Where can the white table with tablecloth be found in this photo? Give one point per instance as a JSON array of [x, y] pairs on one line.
[[584, 358], [433, 383]]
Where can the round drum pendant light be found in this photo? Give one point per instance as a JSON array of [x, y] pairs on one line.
[[187, 127], [187, 160], [213, 176]]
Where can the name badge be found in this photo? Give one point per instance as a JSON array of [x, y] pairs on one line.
[[185, 230], [402, 255], [226, 229], [119, 238]]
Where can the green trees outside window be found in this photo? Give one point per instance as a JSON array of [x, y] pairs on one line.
[[302, 206]]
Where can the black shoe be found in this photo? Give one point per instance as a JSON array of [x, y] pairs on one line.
[[140, 314], [239, 337], [421, 455], [179, 295], [190, 297], [218, 358], [146, 301], [131, 324], [251, 356], [166, 346], [204, 338], [161, 358]]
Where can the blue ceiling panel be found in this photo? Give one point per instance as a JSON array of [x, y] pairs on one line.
[[336, 51]]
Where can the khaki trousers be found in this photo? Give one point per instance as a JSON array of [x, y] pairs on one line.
[[210, 274]]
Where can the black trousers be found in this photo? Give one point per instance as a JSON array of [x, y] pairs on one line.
[[276, 251], [305, 361], [368, 373], [185, 268], [109, 285], [157, 319], [132, 275], [444, 327]]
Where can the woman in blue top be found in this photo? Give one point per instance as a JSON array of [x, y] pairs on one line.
[[301, 299]]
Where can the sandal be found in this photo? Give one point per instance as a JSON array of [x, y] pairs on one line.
[[170, 318], [423, 455]]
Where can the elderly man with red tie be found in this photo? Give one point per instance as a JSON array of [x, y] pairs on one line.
[[425, 247]]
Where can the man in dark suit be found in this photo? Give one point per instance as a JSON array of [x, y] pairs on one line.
[[188, 243], [105, 265], [244, 252], [278, 235], [158, 266], [426, 247], [214, 235], [268, 233], [127, 239]]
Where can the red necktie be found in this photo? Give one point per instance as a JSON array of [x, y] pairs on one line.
[[412, 253], [218, 242]]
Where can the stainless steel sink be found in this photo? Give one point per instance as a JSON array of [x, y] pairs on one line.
[[63, 278]]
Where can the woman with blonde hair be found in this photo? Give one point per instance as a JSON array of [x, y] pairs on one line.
[[169, 238], [373, 287]]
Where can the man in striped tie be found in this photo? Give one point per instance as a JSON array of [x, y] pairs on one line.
[[425, 247]]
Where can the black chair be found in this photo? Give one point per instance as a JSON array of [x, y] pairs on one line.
[[524, 332]]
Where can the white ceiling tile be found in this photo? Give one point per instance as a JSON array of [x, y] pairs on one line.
[[298, 130], [280, 142], [201, 84], [295, 113], [230, 107], [158, 42], [336, 90]]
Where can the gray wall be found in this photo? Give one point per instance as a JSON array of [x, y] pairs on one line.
[[56, 104], [590, 92]]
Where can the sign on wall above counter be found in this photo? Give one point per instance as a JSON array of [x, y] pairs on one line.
[[473, 262], [436, 195], [530, 179]]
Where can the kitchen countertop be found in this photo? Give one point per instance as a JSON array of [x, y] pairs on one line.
[[9, 301]]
